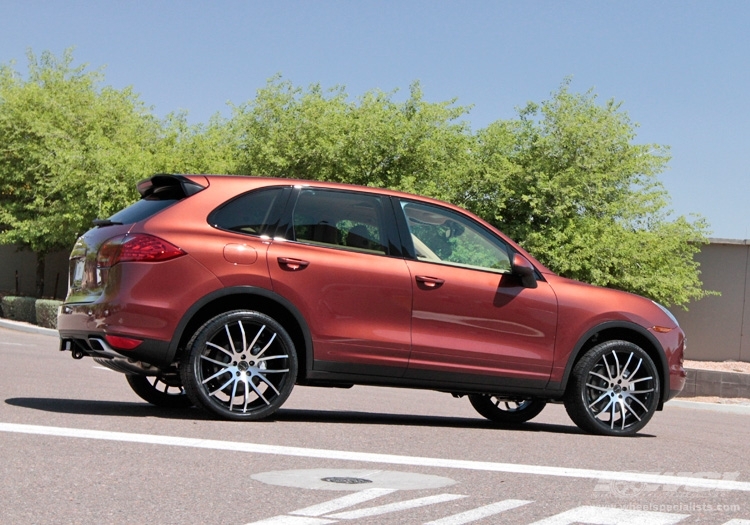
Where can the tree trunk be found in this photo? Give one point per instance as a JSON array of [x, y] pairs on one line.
[[40, 257]]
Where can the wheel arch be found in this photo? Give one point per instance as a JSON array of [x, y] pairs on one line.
[[618, 330], [247, 298]]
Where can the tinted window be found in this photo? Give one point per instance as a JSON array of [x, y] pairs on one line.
[[143, 209], [250, 213], [342, 219], [443, 236]]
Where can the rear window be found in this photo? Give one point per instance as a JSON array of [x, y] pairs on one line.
[[143, 209], [158, 193]]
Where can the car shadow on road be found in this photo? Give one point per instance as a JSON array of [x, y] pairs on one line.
[[338, 417], [105, 408]]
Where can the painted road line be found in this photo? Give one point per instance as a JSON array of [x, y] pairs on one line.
[[366, 457], [481, 512], [395, 507], [611, 516], [293, 520], [343, 502]]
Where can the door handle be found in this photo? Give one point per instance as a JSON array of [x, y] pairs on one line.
[[429, 282], [293, 264]]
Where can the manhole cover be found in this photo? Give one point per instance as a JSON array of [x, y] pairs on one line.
[[352, 479], [346, 480]]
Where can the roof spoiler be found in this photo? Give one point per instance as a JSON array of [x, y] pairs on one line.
[[168, 186]]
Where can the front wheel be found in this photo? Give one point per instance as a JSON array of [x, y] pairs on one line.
[[240, 365], [613, 390], [507, 410]]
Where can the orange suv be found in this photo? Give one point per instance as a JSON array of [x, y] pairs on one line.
[[224, 292]]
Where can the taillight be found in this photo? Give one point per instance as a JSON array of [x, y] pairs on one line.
[[139, 247]]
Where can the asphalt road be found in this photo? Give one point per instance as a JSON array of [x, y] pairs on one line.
[[77, 446]]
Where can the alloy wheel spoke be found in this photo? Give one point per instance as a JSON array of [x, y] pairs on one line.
[[599, 388], [217, 374], [214, 361], [595, 374], [603, 396], [639, 402], [618, 373], [268, 344], [630, 409], [220, 348], [222, 387], [627, 363], [244, 339], [257, 336], [229, 336], [606, 367], [268, 382], [258, 392], [234, 393]]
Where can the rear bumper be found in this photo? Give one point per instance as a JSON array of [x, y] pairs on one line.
[[95, 345]]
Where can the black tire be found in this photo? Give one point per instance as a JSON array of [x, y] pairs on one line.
[[507, 410], [240, 365], [613, 390], [162, 391]]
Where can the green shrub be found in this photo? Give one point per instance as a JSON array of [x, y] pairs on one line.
[[19, 308], [46, 312]]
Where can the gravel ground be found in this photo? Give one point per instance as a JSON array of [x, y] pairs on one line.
[[720, 366]]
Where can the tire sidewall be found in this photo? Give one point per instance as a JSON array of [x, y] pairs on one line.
[[191, 362], [576, 402]]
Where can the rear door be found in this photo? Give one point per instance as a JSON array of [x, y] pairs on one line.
[[339, 265]]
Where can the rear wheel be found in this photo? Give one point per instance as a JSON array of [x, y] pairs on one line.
[[162, 391], [613, 390], [240, 365], [508, 410]]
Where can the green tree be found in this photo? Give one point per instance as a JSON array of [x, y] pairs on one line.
[[567, 181], [70, 151], [315, 134]]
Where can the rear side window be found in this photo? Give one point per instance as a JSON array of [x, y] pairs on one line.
[[340, 219], [253, 213]]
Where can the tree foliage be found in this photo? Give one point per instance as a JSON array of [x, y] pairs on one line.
[[567, 180], [70, 150], [565, 177]]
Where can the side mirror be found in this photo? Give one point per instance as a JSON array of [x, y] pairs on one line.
[[522, 268]]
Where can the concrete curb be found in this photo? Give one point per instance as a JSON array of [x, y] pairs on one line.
[[26, 327], [714, 383]]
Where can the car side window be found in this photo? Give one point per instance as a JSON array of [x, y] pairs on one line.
[[442, 236], [346, 220], [249, 213]]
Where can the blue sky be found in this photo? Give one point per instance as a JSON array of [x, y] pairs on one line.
[[681, 68]]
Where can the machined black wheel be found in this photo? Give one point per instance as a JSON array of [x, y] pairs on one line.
[[614, 389], [162, 391], [508, 410], [240, 365]]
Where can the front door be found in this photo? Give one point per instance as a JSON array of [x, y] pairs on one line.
[[471, 319]]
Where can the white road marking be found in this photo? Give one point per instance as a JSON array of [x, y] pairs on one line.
[[480, 512], [395, 507], [365, 457], [341, 503], [611, 516], [293, 520]]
